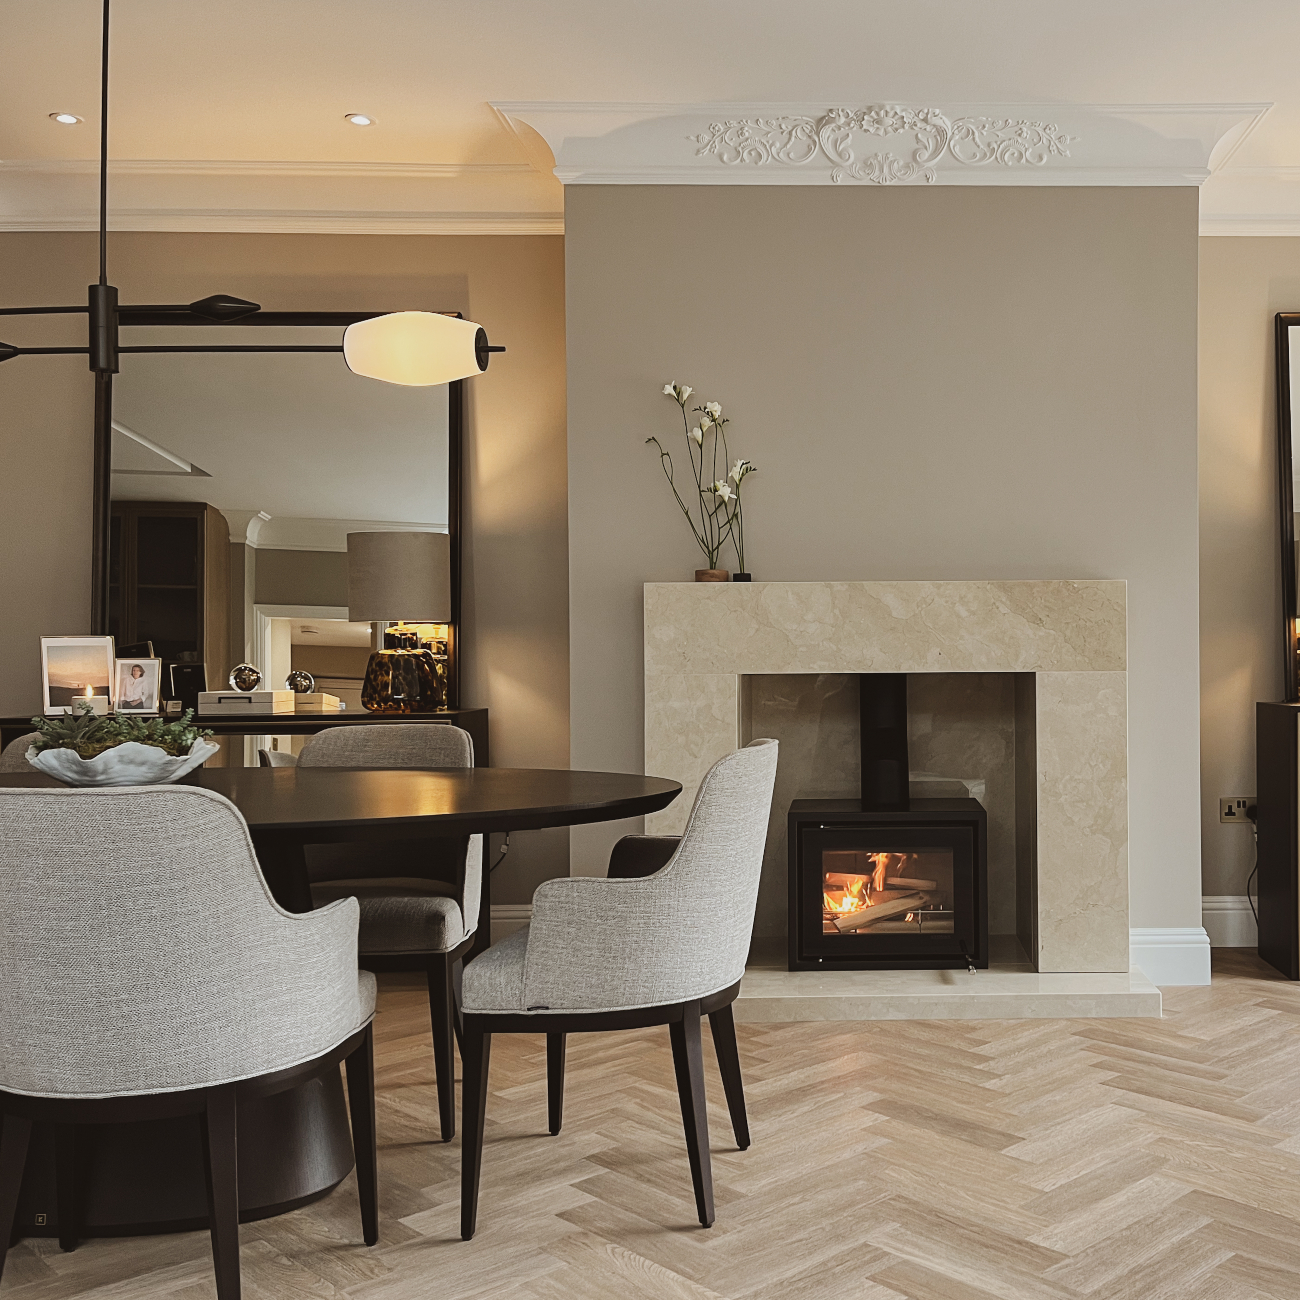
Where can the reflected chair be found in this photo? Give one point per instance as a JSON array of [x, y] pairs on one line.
[[629, 951], [146, 972], [419, 898], [13, 758]]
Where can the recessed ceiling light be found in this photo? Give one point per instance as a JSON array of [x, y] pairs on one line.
[[66, 119], [359, 119]]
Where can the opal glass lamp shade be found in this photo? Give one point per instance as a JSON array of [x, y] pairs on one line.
[[416, 348]]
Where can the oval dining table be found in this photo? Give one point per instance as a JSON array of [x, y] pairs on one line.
[[296, 1146]]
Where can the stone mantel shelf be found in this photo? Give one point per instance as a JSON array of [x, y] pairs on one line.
[[1066, 639], [885, 627]]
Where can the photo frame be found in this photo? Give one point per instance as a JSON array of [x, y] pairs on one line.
[[137, 685], [73, 667], [188, 680]]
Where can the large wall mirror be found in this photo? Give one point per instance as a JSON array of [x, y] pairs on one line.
[[235, 479], [1288, 400]]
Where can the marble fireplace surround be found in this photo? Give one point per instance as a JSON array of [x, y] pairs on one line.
[[1067, 639]]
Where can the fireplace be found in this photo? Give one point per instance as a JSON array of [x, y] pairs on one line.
[[887, 881]]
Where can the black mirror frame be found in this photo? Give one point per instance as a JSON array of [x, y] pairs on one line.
[[1284, 322], [102, 511]]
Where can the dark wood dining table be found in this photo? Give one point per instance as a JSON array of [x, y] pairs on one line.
[[295, 1146]]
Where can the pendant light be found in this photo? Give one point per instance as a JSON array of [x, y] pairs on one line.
[[407, 347]]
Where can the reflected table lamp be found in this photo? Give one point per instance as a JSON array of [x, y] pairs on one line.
[[401, 578]]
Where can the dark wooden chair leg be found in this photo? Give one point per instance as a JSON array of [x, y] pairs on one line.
[[65, 1186], [14, 1132], [218, 1123], [688, 1059], [442, 1016], [476, 1051], [457, 979], [724, 1044], [555, 1050], [360, 1068]]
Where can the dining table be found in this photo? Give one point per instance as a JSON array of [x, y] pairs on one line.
[[295, 1146]]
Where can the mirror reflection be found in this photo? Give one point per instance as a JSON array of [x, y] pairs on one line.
[[236, 479]]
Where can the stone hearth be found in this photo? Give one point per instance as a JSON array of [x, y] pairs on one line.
[[1064, 641]]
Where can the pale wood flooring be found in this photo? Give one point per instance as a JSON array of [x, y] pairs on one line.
[[938, 1160]]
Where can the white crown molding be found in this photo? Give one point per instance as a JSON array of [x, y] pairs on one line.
[[253, 167], [291, 221], [826, 144], [1251, 225]]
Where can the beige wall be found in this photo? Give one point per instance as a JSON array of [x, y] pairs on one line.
[[300, 577], [934, 383], [1244, 281], [515, 554]]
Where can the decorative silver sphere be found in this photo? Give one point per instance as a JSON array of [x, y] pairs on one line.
[[300, 682], [244, 677]]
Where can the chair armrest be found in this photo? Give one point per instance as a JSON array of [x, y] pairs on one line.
[[641, 855], [610, 944]]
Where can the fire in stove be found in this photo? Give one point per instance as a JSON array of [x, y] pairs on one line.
[[886, 893]]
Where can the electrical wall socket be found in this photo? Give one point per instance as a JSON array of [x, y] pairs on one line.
[[1234, 810]]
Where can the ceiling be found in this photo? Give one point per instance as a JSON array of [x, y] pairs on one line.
[[234, 113]]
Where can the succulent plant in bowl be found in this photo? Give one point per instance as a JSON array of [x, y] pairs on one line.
[[83, 749]]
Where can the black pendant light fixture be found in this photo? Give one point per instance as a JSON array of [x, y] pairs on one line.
[[409, 347]]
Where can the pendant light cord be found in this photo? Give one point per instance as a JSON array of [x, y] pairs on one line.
[[103, 155]]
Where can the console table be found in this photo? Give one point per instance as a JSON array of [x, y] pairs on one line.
[[475, 721]]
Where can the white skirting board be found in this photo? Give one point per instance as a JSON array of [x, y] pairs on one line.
[[509, 917], [1172, 956], [1229, 921]]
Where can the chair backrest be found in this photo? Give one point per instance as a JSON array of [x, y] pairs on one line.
[[713, 877], [276, 758], [14, 756], [390, 745], [140, 950]]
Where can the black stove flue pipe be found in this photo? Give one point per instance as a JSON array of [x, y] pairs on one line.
[[884, 742]]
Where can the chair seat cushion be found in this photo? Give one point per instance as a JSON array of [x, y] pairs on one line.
[[494, 980], [399, 915]]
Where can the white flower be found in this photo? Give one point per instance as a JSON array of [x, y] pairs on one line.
[[706, 424], [714, 408], [722, 490], [686, 391], [670, 390], [697, 437], [739, 470]]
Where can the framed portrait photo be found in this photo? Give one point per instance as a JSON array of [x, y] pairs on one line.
[[76, 667], [138, 685]]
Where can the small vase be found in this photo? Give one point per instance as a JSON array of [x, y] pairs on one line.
[[711, 575], [742, 577]]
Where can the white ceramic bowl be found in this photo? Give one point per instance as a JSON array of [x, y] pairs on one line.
[[128, 764]]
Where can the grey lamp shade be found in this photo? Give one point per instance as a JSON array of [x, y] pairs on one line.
[[399, 577]]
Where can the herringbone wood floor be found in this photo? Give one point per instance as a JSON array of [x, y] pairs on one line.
[[939, 1160]]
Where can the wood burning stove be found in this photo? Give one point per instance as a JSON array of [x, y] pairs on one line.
[[887, 882]]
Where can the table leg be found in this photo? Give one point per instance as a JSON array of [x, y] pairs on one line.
[[284, 865]]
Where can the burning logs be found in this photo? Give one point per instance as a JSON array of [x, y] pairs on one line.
[[881, 908]]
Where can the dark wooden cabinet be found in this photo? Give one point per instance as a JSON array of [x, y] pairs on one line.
[[169, 581]]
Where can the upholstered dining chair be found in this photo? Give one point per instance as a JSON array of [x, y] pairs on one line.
[[13, 758], [419, 899], [146, 972], [630, 951]]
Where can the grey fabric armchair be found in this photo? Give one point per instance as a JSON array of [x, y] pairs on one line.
[[146, 971], [419, 899], [633, 950]]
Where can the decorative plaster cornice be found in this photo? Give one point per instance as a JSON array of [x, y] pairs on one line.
[[821, 144], [256, 167], [290, 221]]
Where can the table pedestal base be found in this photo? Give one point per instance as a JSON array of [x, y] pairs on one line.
[[147, 1177]]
